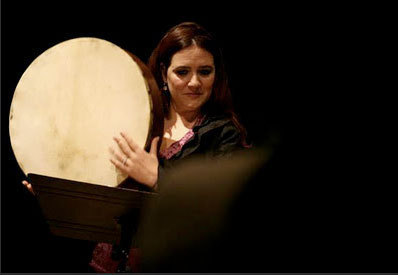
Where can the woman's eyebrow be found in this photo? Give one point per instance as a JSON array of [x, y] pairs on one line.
[[182, 67], [206, 67]]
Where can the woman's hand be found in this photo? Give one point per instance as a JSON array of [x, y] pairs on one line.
[[28, 186], [136, 162]]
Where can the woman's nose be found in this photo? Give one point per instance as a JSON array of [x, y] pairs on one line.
[[194, 82]]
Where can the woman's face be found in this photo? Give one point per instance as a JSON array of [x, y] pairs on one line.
[[190, 78]]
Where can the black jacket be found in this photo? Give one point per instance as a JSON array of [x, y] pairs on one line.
[[216, 136]]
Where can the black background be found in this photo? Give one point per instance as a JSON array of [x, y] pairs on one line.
[[289, 67]]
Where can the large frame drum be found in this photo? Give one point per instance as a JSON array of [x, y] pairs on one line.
[[70, 103]]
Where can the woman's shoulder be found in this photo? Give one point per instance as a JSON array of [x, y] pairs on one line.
[[219, 133], [215, 122]]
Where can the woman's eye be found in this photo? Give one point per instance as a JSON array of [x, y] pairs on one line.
[[182, 72], [205, 72]]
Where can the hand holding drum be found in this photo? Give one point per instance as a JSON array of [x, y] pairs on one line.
[[28, 186], [136, 162]]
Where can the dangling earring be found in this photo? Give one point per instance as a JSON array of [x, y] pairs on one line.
[[165, 88]]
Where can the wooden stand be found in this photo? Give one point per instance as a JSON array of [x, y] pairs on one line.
[[86, 211]]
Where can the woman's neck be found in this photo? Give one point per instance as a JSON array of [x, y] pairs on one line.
[[177, 124], [188, 118]]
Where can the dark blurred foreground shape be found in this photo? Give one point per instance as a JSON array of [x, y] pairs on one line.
[[257, 213]]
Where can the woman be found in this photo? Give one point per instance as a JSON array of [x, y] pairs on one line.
[[188, 65], [199, 117]]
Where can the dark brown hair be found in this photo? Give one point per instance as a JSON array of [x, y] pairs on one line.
[[184, 35]]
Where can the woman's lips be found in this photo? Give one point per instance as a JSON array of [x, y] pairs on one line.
[[193, 94]]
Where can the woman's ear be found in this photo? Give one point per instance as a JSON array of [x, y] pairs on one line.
[[164, 72]]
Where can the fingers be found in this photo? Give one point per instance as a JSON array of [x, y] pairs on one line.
[[127, 144], [28, 186], [128, 147], [123, 146], [119, 165], [119, 157], [134, 146], [154, 146]]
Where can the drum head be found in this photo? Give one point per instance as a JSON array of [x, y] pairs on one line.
[[70, 103]]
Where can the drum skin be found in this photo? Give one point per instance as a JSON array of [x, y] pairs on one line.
[[70, 103]]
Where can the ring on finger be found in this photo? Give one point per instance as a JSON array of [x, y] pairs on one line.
[[125, 160]]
